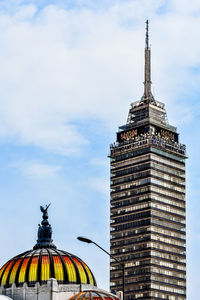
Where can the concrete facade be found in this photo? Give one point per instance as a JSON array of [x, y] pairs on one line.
[[50, 291]]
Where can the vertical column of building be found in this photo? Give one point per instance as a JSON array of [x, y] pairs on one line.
[[168, 268], [130, 218]]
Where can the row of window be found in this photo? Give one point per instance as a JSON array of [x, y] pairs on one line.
[[169, 225], [128, 155], [168, 272], [129, 233], [167, 264], [131, 225], [130, 208], [156, 295], [167, 193], [167, 240], [168, 289], [155, 229], [137, 263], [153, 261], [169, 165], [166, 169], [128, 257], [168, 280], [142, 206], [168, 248], [131, 154], [165, 200], [147, 245], [156, 170], [135, 247], [167, 161], [131, 200], [150, 188], [149, 196], [135, 169], [131, 177], [162, 183], [167, 215], [138, 279], [154, 214], [168, 155], [148, 180], [130, 161], [167, 208], [131, 184], [137, 239], [173, 180], [147, 237], [128, 193], [164, 255], [145, 231], [159, 287], [130, 217], [178, 180]]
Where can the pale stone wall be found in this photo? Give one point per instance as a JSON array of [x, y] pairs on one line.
[[50, 291]]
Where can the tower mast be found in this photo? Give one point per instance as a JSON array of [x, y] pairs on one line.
[[147, 68]]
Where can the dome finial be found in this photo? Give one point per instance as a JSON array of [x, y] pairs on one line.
[[44, 231]]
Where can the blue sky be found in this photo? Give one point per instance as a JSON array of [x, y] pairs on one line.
[[68, 73]]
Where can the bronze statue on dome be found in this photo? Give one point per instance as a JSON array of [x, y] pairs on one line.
[[44, 231]]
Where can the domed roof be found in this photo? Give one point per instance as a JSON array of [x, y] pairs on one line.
[[93, 295], [44, 262], [41, 264], [2, 297]]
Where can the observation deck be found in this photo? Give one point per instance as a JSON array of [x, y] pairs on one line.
[[148, 140]]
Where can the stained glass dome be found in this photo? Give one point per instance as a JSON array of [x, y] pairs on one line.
[[45, 261], [41, 264], [94, 295]]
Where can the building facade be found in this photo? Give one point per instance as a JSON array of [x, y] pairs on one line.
[[148, 202]]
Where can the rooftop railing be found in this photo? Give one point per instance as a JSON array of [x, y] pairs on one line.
[[151, 140]]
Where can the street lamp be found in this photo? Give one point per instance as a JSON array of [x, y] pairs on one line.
[[86, 240]]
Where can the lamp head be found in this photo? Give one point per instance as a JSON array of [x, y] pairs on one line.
[[84, 239]]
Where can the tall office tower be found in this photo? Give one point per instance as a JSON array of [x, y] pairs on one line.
[[148, 202]]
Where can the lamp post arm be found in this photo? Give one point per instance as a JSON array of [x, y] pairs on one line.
[[122, 264]]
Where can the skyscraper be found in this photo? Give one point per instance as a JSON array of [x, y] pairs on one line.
[[148, 201]]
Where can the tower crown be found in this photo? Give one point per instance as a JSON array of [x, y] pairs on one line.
[[147, 110]]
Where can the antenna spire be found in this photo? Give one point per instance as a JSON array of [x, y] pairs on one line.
[[147, 68], [147, 34]]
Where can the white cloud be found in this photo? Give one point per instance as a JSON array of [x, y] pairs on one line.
[[42, 170], [36, 169], [63, 67]]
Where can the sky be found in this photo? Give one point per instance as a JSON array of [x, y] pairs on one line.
[[68, 73]]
